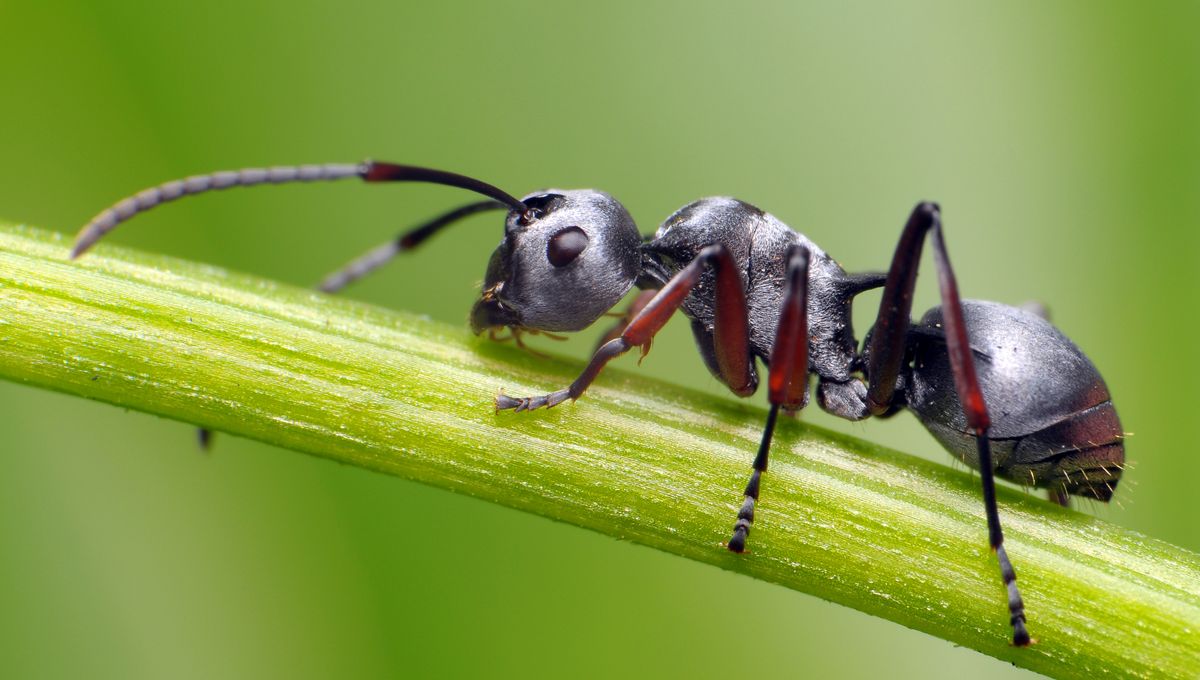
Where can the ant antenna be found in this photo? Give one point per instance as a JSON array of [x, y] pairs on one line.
[[391, 172], [369, 171]]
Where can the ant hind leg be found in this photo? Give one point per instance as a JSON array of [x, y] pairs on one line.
[[886, 356]]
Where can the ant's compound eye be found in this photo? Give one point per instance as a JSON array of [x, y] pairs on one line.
[[566, 245]]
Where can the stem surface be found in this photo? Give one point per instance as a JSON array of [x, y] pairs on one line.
[[637, 459]]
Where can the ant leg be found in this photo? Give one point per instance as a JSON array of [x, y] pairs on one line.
[[886, 355], [787, 382], [731, 330], [381, 255], [639, 303], [1059, 495]]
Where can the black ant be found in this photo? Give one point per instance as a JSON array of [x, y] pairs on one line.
[[754, 288]]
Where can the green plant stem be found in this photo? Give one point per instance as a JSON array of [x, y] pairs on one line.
[[636, 459]]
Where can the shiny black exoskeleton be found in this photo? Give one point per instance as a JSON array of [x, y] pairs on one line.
[[1053, 424], [1053, 421], [999, 386]]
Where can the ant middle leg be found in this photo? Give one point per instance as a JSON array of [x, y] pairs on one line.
[[787, 381], [730, 355]]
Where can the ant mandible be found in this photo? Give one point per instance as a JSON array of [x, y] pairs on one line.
[[754, 288]]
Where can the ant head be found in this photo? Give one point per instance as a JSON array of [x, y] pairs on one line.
[[565, 261]]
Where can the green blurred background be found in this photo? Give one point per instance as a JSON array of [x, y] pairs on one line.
[[1060, 138]]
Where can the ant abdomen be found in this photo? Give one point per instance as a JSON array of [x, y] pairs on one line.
[[1053, 424]]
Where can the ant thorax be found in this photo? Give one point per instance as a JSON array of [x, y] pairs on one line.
[[758, 242]]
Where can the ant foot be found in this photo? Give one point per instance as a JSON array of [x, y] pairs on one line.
[[737, 543], [518, 404], [1021, 635]]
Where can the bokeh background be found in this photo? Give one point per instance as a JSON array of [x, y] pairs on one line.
[[1060, 138]]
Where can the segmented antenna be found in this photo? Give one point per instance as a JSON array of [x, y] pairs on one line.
[[108, 219], [381, 255], [369, 171]]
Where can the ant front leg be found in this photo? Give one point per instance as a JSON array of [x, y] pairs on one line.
[[886, 356], [787, 382], [639, 303], [731, 331]]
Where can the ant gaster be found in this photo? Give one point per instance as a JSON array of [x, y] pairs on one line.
[[1000, 387]]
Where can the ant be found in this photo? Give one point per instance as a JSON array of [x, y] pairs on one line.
[[755, 289]]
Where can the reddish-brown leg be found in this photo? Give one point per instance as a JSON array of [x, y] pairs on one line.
[[639, 303], [787, 382], [886, 355], [731, 331]]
